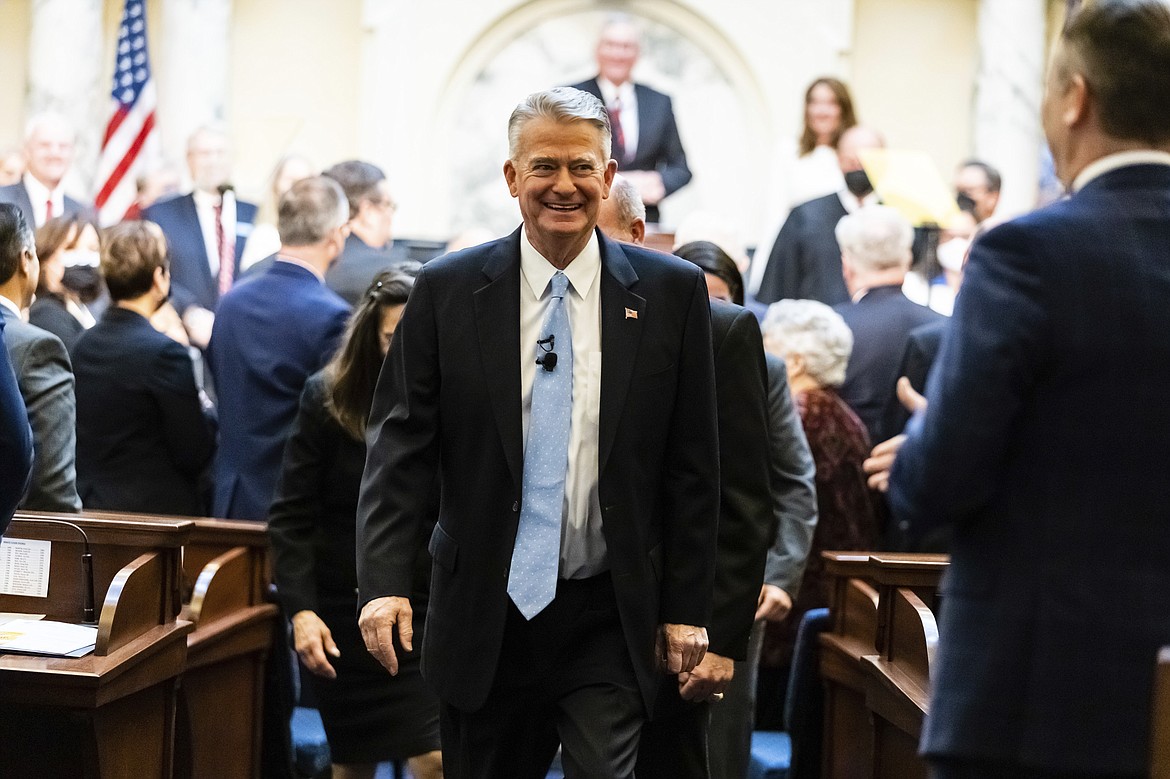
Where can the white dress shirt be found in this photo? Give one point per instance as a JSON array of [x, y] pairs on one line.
[[1124, 159], [611, 92], [39, 195], [205, 203], [11, 306], [582, 541]]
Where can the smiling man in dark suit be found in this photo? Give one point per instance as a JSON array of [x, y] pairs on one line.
[[580, 494], [646, 144], [1044, 442]]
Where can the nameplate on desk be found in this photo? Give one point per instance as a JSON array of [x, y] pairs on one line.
[[24, 567]]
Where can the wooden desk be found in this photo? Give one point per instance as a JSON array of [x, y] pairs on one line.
[[226, 574], [111, 713], [1160, 738]]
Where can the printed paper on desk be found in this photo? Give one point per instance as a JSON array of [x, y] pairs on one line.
[[24, 567]]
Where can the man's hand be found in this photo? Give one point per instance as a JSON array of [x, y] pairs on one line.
[[314, 643], [198, 322], [681, 647], [881, 459], [709, 679], [377, 621], [774, 603], [648, 183]]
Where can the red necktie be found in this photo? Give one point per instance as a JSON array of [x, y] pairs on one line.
[[619, 138], [227, 252], [48, 209]]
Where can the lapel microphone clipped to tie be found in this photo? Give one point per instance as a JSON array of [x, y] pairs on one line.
[[549, 360]]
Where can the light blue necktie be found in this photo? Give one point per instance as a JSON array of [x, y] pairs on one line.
[[532, 581]]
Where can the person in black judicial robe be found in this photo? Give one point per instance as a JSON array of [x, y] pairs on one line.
[[674, 743], [143, 438], [455, 407]]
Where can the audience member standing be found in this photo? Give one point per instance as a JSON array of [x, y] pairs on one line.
[[977, 185], [58, 308], [875, 253], [16, 445], [143, 439], [42, 370], [270, 334], [580, 495], [206, 232], [48, 150], [646, 143], [1043, 446], [371, 226], [815, 344], [369, 716], [805, 262]]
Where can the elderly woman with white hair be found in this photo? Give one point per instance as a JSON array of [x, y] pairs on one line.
[[815, 343]]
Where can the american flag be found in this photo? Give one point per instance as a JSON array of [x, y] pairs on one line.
[[131, 141]]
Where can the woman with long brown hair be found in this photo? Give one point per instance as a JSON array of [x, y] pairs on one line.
[[369, 716], [64, 243]]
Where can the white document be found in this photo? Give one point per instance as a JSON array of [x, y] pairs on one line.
[[45, 637], [24, 567]]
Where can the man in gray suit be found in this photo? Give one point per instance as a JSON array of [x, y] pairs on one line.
[[42, 370]]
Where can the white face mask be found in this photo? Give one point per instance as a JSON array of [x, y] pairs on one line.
[[80, 258], [952, 252]]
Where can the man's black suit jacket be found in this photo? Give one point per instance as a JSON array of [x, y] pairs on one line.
[[449, 401], [1044, 449], [659, 146], [805, 262], [357, 266], [142, 438], [191, 279], [922, 347], [17, 194], [881, 323]]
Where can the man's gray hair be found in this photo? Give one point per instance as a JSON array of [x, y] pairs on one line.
[[48, 119], [627, 202], [876, 238], [561, 104], [814, 331], [310, 211]]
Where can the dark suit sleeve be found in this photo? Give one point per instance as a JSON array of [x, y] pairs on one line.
[[188, 432], [915, 365], [402, 454], [793, 479], [16, 446], [690, 500], [745, 515], [46, 381], [673, 164], [295, 515], [954, 455], [782, 273]]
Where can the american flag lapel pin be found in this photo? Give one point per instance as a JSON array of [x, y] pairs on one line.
[[631, 313]]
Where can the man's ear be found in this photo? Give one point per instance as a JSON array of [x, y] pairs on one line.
[[610, 172], [510, 177], [638, 230], [1076, 101]]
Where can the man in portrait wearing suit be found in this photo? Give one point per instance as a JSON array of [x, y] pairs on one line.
[[43, 371], [875, 254], [48, 151], [371, 218], [574, 552], [646, 144], [271, 333], [1043, 444], [206, 230], [805, 262]]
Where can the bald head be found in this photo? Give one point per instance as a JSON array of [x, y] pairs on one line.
[[854, 141]]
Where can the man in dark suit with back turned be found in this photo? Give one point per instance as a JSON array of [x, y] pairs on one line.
[[580, 496], [206, 230], [875, 255], [805, 261], [1044, 442], [271, 333], [646, 144], [371, 218]]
